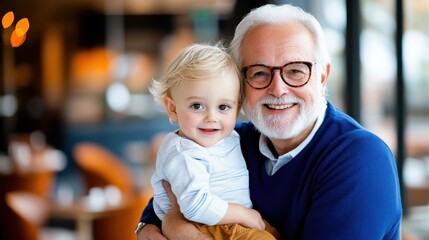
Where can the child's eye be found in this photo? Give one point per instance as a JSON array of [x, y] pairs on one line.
[[224, 107], [197, 106]]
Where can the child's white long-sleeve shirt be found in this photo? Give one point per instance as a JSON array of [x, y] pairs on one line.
[[204, 180]]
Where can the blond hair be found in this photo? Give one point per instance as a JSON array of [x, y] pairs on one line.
[[195, 62]]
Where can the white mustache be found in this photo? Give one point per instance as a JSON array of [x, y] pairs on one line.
[[285, 101]]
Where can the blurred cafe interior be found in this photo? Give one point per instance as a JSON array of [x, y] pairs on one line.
[[79, 129]]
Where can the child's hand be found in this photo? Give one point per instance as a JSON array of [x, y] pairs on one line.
[[246, 217], [253, 219]]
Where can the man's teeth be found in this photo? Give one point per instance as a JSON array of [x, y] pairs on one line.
[[279, 107]]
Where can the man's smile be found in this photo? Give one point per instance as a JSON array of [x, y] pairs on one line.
[[279, 106]]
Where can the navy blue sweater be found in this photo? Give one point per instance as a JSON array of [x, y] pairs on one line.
[[342, 185]]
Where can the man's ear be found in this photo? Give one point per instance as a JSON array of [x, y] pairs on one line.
[[324, 78], [170, 106]]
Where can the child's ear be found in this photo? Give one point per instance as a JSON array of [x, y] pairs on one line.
[[170, 106], [239, 108]]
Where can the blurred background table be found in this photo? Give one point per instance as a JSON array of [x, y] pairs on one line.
[[85, 211]]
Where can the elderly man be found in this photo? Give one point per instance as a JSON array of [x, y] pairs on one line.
[[315, 173]]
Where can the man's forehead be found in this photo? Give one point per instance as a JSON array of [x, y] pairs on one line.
[[277, 43]]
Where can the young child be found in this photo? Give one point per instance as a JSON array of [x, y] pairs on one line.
[[202, 160]]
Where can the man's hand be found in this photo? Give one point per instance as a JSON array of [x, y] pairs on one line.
[[174, 211], [150, 232]]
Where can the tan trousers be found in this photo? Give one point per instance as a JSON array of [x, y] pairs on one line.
[[238, 232]]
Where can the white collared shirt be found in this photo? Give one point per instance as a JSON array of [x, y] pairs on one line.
[[272, 163]]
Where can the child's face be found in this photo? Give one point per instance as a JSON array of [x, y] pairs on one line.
[[206, 110]]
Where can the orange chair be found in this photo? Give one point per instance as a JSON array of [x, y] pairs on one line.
[[27, 215], [22, 224], [39, 183], [100, 167]]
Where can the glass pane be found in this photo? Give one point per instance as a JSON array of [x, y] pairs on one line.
[[378, 72], [332, 16], [416, 70]]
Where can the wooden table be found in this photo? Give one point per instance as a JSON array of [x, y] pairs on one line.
[[84, 215]]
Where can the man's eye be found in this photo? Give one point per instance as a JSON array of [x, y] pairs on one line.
[[224, 107], [197, 106], [261, 74]]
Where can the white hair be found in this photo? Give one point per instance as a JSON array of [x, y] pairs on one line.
[[280, 14]]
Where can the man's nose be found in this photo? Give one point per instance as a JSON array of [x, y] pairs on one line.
[[277, 87]]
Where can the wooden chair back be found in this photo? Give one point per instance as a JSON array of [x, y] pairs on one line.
[[100, 167]]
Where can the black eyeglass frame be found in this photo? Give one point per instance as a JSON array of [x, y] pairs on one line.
[[308, 64]]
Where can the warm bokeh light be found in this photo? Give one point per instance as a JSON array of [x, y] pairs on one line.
[[16, 40], [7, 19], [90, 68], [22, 26], [18, 35]]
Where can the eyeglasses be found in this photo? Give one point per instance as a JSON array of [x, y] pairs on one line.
[[294, 74]]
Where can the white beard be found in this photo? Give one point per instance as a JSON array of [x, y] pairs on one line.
[[284, 126]]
